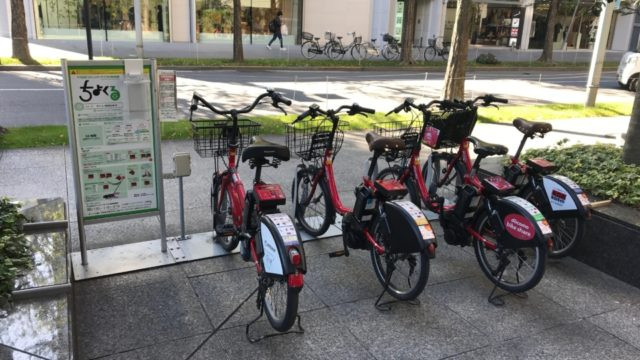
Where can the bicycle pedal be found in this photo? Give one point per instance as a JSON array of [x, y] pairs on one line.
[[226, 230], [338, 253]]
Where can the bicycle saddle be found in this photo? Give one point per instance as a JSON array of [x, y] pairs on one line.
[[381, 143], [530, 128], [487, 149], [261, 148]]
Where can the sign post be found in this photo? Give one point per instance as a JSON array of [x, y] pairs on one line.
[[115, 139]]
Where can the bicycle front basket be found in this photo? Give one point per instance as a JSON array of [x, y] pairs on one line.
[[211, 137], [309, 139], [448, 129], [431, 42], [307, 36], [329, 35], [407, 130], [388, 38]]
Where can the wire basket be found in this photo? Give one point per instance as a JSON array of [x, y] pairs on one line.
[[431, 42], [448, 129], [390, 39], [329, 36], [407, 130], [309, 139], [307, 36], [211, 138], [357, 40]]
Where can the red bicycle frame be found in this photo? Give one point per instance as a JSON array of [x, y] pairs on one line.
[[231, 182]]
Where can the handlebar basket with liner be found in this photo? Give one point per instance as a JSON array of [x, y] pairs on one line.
[[406, 130], [309, 139], [211, 137], [447, 129]]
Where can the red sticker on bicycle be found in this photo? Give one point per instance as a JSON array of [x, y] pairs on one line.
[[519, 227], [430, 136]]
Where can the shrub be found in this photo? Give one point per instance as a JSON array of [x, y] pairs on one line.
[[15, 254], [487, 59], [598, 169]]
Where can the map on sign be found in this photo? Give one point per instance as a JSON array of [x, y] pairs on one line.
[[114, 140]]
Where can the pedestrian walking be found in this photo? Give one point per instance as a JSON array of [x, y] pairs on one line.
[[275, 26]]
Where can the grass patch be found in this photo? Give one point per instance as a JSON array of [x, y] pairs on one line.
[[40, 61], [552, 111], [598, 169], [34, 136]]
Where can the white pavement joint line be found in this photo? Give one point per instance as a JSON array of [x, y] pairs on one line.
[[60, 89]]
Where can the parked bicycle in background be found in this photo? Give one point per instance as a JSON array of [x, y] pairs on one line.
[[437, 47], [268, 238], [311, 47], [337, 50]]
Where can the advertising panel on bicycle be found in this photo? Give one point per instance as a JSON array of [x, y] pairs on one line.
[[519, 227], [430, 136]]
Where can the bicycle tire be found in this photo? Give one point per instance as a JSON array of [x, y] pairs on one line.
[[394, 173], [445, 53], [429, 53], [336, 51], [309, 49], [281, 310], [514, 278], [358, 52], [371, 50], [437, 163], [400, 262], [567, 231], [320, 220], [223, 216], [327, 48]]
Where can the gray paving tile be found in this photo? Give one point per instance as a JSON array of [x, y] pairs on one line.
[[584, 290], [170, 350], [215, 265], [342, 279], [132, 280], [26, 158], [324, 338], [624, 323], [581, 340], [118, 320], [518, 317], [221, 293], [451, 263], [426, 331]]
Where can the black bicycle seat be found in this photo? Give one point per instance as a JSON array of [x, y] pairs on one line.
[[487, 149], [261, 148], [381, 143], [529, 127]]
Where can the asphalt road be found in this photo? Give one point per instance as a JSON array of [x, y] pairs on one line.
[[37, 98]]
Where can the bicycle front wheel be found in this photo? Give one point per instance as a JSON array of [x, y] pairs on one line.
[[429, 53], [358, 52], [223, 220], [514, 270], [309, 49], [280, 303], [335, 51], [442, 177], [313, 207], [404, 275], [566, 231]]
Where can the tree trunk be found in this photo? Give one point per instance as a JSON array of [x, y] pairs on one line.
[[19, 32], [408, 31], [238, 55], [547, 50], [631, 153], [457, 66]]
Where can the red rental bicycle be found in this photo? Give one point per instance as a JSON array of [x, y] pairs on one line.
[[509, 235], [269, 238], [396, 232]]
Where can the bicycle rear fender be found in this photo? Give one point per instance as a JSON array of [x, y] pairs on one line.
[[518, 223], [563, 197], [275, 238], [408, 229]]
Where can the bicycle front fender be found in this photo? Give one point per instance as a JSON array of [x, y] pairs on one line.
[[564, 197], [408, 229]]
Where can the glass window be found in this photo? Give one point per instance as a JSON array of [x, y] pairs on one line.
[[109, 19]]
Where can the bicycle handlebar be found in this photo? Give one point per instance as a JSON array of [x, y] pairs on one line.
[[487, 100], [408, 103], [315, 110], [276, 99]]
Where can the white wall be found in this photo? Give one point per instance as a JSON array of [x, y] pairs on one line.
[[339, 17], [622, 33], [5, 18]]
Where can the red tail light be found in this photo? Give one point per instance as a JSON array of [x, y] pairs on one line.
[[295, 257], [296, 280]]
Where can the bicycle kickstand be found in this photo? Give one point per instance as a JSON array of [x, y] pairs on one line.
[[498, 300], [385, 306]]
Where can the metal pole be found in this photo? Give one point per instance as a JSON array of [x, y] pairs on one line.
[[137, 8], [597, 59], [573, 17], [104, 20], [181, 197], [87, 26]]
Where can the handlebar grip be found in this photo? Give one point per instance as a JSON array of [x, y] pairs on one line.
[[366, 110], [286, 101], [500, 100], [278, 98], [300, 117]]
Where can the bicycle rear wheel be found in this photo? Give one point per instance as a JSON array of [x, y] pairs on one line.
[[313, 211], [429, 53], [280, 303], [309, 49], [223, 220], [445, 53], [514, 270], [441, 177], [358, 52], [405, 275], [335, 51]]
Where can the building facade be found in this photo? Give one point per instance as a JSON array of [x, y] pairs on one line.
[[502, 23]]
